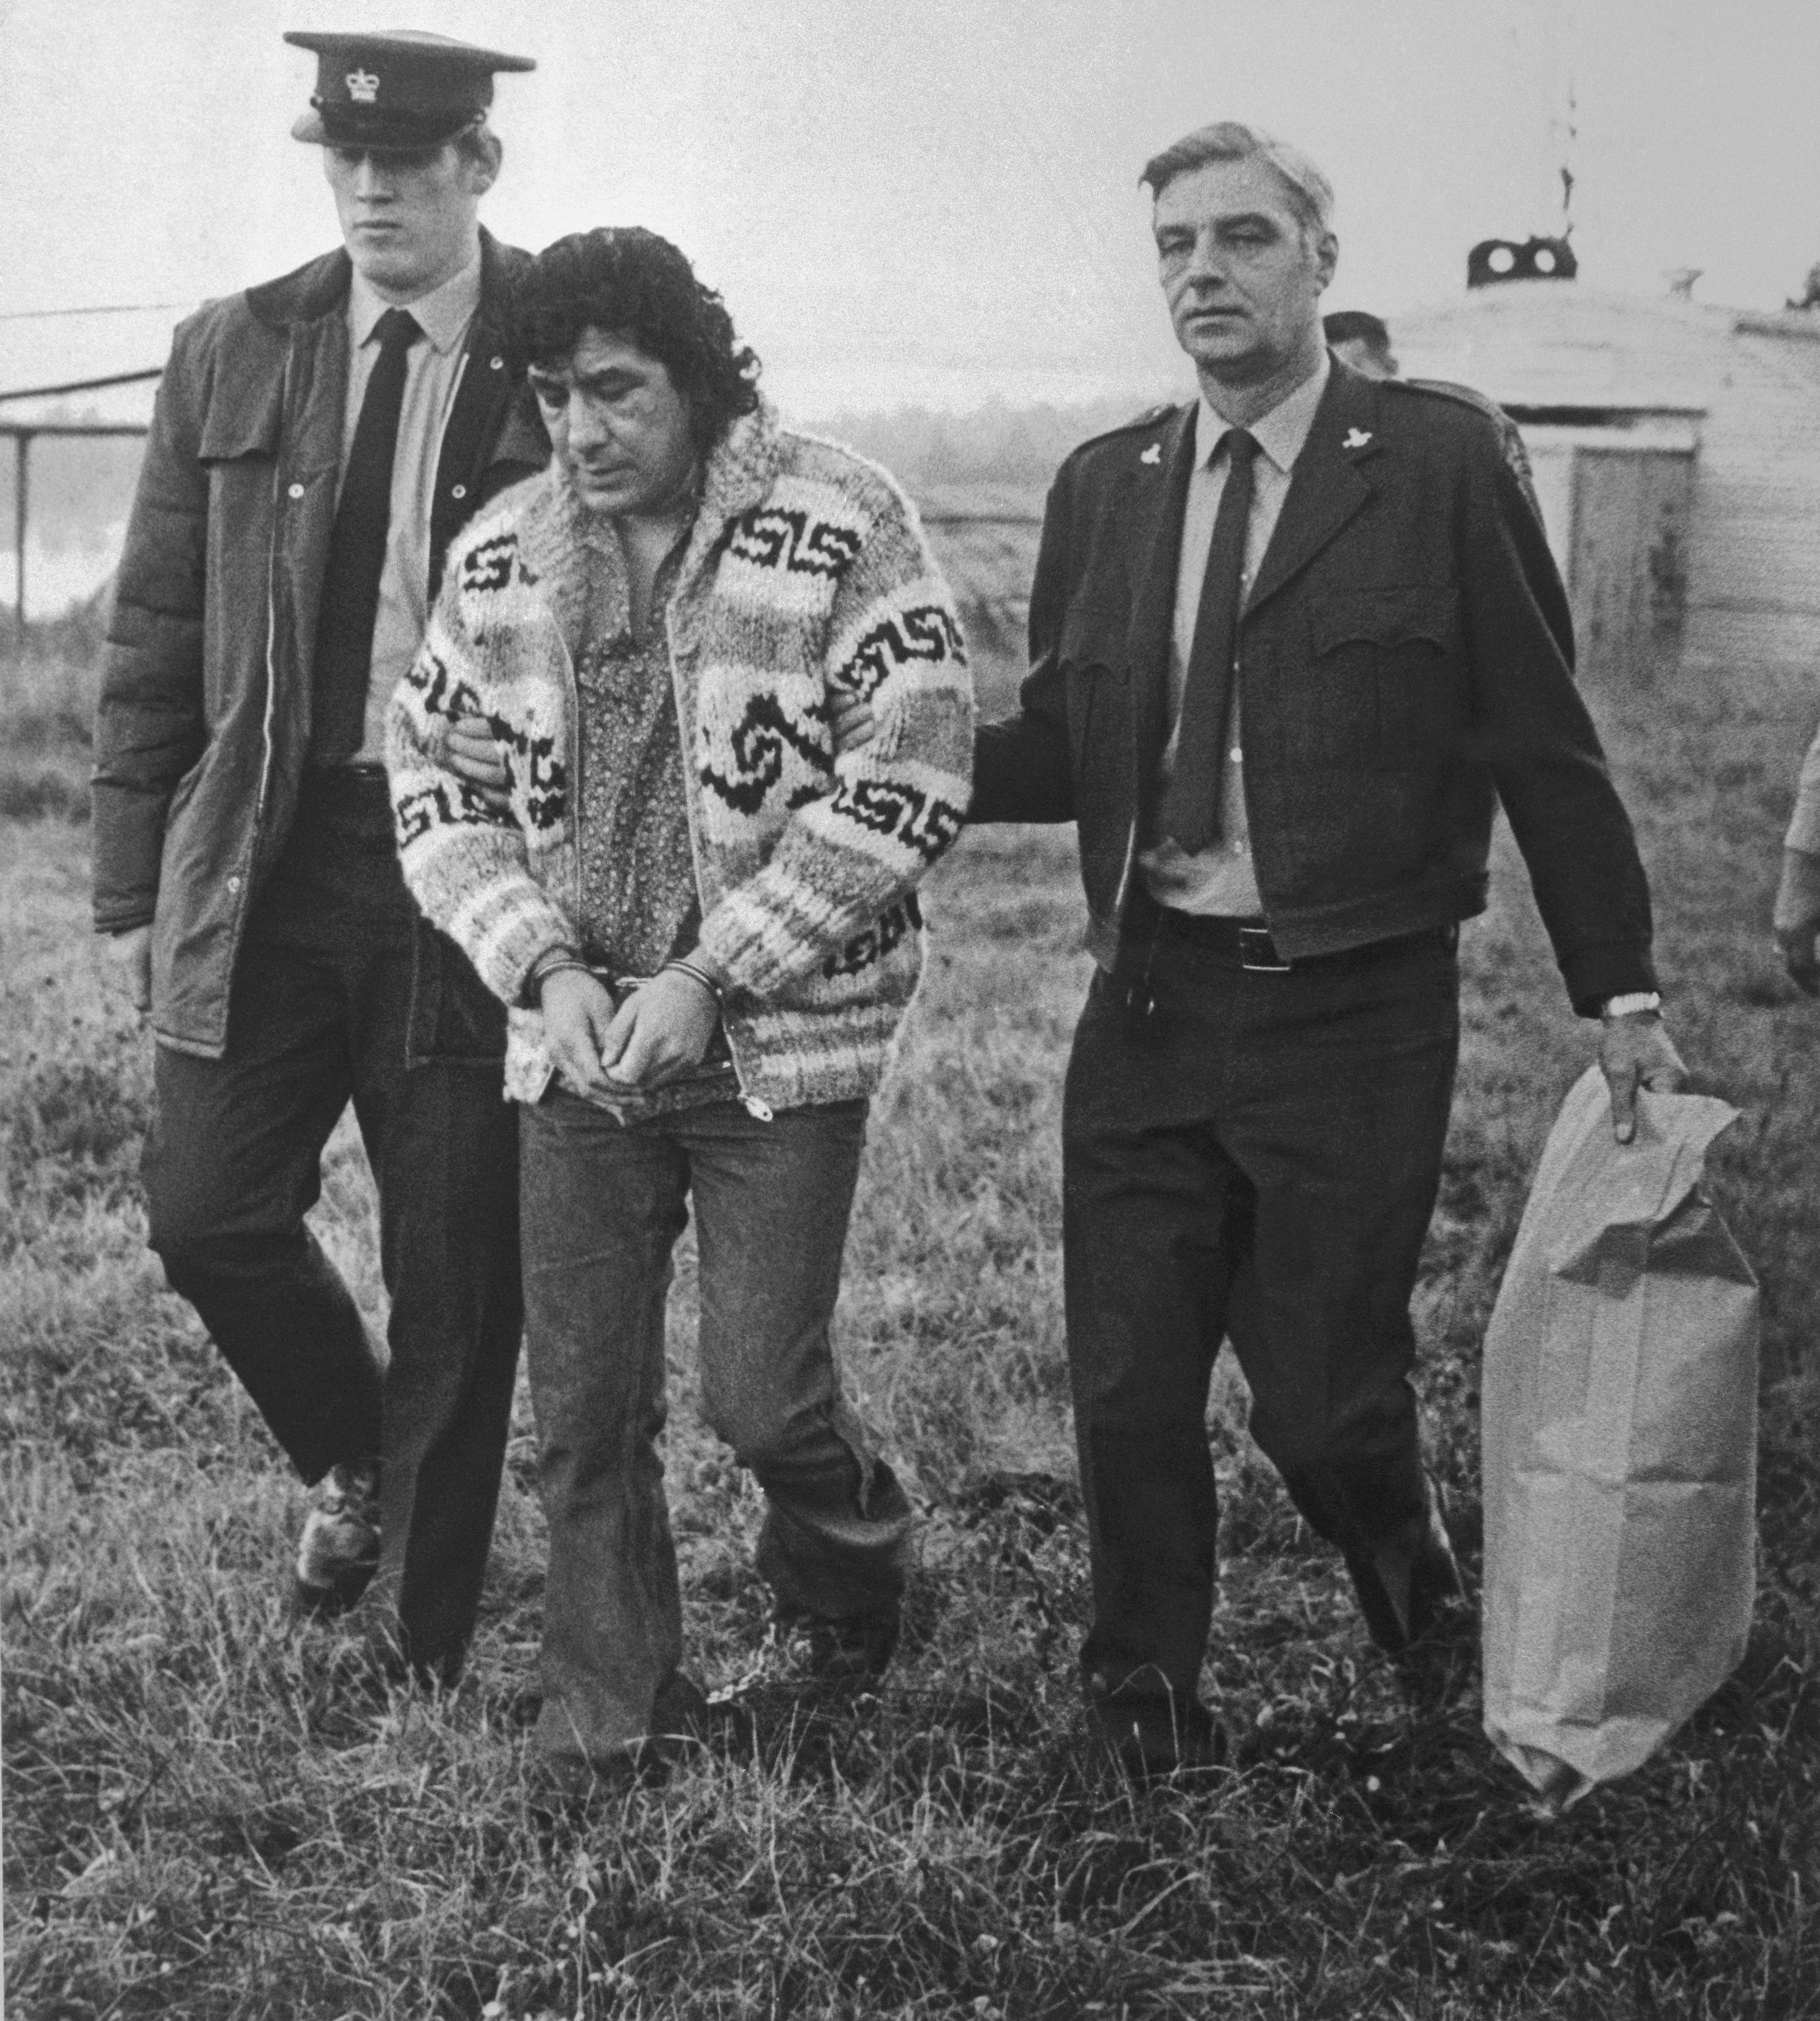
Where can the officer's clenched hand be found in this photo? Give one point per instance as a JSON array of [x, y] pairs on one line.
[[1636, 1052], [474, 755], [1796, 920], [578, 1014], [663, 1029], [129, 957]]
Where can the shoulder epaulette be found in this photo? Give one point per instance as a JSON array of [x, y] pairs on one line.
[[1509, 435], [1148, 419], [1450, 389]]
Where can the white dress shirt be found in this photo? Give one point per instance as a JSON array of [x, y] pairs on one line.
[[432, 372], [1220, 878]]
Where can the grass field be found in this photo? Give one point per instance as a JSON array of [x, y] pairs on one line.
[[204, 1819]]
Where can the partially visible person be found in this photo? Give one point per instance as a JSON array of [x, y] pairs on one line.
[[1795, 919], [1360, 340], [316, 443], [704, 921]]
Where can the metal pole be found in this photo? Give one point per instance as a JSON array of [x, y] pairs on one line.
[[21, 466]]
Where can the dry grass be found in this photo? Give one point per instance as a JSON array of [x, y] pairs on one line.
[[204, 1818]]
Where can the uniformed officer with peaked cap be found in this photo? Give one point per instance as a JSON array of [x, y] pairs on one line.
[[399, 89], [317, 441]]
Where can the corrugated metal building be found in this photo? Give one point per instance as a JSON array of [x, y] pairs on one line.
[[1677, 448]]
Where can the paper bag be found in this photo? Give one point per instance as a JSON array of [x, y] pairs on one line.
[[1619, 1420]]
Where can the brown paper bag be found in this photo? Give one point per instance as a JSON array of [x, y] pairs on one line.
[[1619, 1422]]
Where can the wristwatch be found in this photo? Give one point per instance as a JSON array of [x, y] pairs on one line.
[[1634, 1005]]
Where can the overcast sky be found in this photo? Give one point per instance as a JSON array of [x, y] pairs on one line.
[[924, 200]]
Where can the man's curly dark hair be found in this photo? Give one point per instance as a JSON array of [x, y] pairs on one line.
[[630, 283]]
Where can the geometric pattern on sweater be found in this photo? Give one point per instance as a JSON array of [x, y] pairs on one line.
[[770, 538], [927, 633], [758, 743], [893, 926], [806, 573], [490, 565]]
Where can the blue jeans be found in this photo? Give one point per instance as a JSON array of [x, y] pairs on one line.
[[602, 1204]]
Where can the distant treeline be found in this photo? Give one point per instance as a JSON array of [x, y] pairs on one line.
[[80, 489], [996, 444]]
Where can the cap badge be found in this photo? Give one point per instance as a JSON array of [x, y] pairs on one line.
[[1153, 454], [362, 86], [1356, 439]]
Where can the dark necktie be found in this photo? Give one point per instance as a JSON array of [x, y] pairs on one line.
[[357, 553], [1191, 803]]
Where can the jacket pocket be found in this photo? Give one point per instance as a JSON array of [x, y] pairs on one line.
[[454, 1018], [1092, 634], [1388, 619], [1099, 739], [1384, 666], [1092, 665], [232, 429]]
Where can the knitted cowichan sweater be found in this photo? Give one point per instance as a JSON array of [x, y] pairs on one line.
[[806, 574]]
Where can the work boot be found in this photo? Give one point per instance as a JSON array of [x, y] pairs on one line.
[[338, 1549]]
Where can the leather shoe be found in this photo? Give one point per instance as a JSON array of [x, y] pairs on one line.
[[1151, 1730]]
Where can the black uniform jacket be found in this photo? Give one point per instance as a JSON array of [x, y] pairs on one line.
[[204, 723], [1405, 662]]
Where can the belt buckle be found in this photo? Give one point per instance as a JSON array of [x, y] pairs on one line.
[[1257, 954]]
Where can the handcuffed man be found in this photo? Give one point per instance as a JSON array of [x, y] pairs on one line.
[[702, 914]]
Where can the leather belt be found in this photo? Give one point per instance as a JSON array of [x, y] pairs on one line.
[[1248, 942]]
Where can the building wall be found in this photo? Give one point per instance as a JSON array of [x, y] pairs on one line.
[[1754, 589], [1753, 546]]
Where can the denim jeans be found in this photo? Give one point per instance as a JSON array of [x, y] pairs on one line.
[[320, 1016], [1255, 1160], [602, 1204]]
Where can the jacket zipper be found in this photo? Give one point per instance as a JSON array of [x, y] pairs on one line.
[[244, 895], [575, 769], [760, 1111], [278, 492]]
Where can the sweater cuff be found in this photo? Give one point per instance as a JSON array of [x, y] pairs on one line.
[[514, 965], [1614, 968], [748, 947]]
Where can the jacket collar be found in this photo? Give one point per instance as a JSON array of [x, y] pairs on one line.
[[1331, 483], [320, 289], [742, 467]]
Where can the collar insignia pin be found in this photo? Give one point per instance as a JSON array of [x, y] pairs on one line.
[[362, 86], [1356, 439], [1153, 454]]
